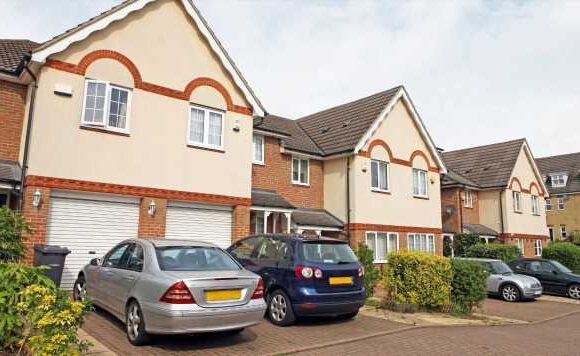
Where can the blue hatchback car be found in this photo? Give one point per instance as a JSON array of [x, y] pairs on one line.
[[304, 276]]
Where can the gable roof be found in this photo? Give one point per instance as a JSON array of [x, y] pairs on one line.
[[567, 163], [13, 53], [101, 21], [295, 138], [487, 166]]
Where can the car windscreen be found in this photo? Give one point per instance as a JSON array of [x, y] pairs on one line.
[[560, 267], [327, 253], [499, 267], [194, 258]]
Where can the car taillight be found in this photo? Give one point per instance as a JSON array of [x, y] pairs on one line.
[[307, 272], [259, 292], [361, 271], [178, 293]]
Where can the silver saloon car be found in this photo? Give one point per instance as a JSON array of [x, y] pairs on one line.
[[511, 287], [172, 286]]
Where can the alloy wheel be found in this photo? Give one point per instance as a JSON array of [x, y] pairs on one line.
[[510, 293], [133, 321], [278, 307], [574, 291]]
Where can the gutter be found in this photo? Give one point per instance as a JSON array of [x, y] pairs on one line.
[[28, 133], [501, 210], [348, 234]]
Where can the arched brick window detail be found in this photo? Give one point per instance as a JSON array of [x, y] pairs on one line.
[[419, 153], [515, 180], [108, 54], [384, 145], [198, 82]]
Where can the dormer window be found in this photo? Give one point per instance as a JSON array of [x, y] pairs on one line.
[[558, 180]]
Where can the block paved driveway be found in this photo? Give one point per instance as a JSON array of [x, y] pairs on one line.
[[373, 336]]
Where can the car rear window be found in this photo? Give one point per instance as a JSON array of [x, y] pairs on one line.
[[194, 258], [327, 253]]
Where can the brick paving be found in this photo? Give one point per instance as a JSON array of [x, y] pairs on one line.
[[261, 339], [527, 310]]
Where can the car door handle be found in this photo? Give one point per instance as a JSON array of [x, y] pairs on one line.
[[131, 278]]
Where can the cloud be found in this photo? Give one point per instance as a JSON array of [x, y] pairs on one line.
[[478, 71]]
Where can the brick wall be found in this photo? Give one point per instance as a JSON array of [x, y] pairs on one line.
[[569, 216], [529, 250], [12, 104], [357, 236], [276, 174], [152, 226], [470, 215], [240, 222], [450, 201], [36, 218]]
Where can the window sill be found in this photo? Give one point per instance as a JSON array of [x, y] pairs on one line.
[[375, 190], [468, 207], [205, 148], [306, 185], [259, 163], [537, 214], [421, 197], [103, 130], [518, 212]]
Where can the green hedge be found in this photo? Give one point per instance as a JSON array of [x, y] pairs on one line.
[[462, 242], [419, 278], [566, 253], [497, 251], [468, 287], [366, 257]]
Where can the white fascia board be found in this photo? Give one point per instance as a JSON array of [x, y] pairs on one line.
[[402, 94], [532, 162], [314, 227], [273, 210]]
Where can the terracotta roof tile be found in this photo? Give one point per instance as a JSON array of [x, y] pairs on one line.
[[12, 54]]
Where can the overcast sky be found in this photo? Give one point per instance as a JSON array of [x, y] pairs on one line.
[[478, 71]]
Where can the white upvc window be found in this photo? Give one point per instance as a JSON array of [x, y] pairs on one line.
[[560, 203], [558, 180], [106, 106], [421, 243], [382, 243], [258, 153], [468, 203], [379, 176], [563, 232], [259, 222], [419, 183], [300, 171], [517, 201], [206, 128], [520, 244], [538, 247], [548, 204], [535, 205]]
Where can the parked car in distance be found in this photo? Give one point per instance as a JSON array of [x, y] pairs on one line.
[[554, 276], [304, 276], [502, 281], [171, 287]]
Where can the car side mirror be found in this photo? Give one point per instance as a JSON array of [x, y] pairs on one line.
[[95, 262]]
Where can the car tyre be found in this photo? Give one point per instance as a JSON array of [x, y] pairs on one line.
[[510, 293], [574, 291], [135, 325], [348, 315], [80, 289], [280, 310]]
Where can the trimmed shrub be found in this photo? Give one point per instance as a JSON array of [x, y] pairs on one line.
[[366, 256], [468, 287], [496, 251], [461, 242], [566, 253], [36, 317], [447, 247], [12, 226], [418, 278]]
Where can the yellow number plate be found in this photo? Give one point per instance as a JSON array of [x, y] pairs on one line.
[[223, 294], [340, 280]]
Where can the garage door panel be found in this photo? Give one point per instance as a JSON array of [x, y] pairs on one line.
[[89, 228], [207, 225]]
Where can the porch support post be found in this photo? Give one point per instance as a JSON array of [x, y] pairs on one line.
[[266, 214], [288, 217]]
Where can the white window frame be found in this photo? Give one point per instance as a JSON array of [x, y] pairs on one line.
[[387, 178], [517, 201], [561, 203], [468, 203], [538, 248], [259, 225], [105, 124], [548, 204], [376, 238], [535, 205], [563, 232], [562, 178], [261, 160], [206, 113], [416, 246], [300, 159], [418, 172], [521, 245]]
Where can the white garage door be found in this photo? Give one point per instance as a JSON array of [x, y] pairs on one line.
[[201, 223], [89, 227]]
